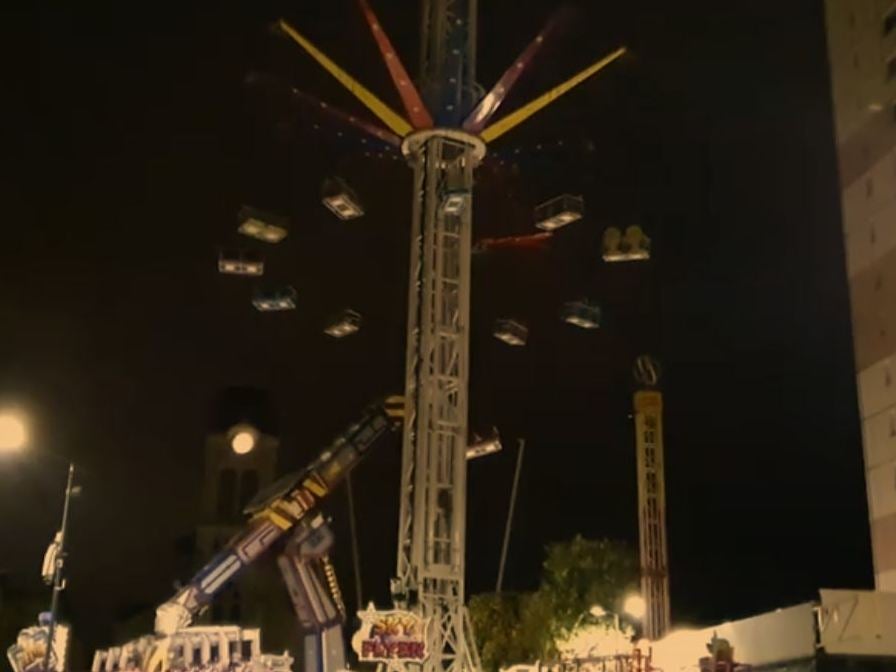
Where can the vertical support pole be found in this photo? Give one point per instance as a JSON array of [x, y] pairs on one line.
[[58, 579], [356, 553], [513, 491]]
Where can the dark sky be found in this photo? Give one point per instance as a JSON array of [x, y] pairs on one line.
[[132, 139]]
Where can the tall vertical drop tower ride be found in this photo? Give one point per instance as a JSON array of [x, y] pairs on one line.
[[444, 138], [432, 518], [648, 404]]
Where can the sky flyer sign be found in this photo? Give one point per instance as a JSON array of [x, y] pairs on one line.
[[389, 636]]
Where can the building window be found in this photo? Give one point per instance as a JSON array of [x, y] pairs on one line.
[[226, 494], [891, 68], [248, 487], [890, 21]]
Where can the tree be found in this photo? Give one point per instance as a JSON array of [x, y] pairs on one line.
[[496, 621], [582, 573], [510, 628], [576, 575]]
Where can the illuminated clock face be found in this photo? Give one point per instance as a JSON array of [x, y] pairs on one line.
[[243, 439]]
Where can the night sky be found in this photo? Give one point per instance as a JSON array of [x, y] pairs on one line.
[[132, 138]]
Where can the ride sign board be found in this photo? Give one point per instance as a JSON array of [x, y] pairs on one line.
[[389, 636]]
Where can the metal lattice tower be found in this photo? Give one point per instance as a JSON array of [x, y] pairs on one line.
[[444, 138], [432, 518]]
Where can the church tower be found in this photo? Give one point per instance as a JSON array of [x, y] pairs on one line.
[[240, 459]]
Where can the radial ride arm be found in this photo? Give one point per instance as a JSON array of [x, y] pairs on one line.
[[277, 512]]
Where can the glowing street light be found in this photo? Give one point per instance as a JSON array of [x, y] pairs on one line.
[[13, 439], [635, 606], [243, 438], [13, 432]]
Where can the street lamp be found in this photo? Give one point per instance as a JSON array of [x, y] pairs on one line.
[[635, 606], [13, 432], [598, 611]]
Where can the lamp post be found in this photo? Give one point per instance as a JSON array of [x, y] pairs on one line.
[[508, 526], [56, 554], [635, 606]]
